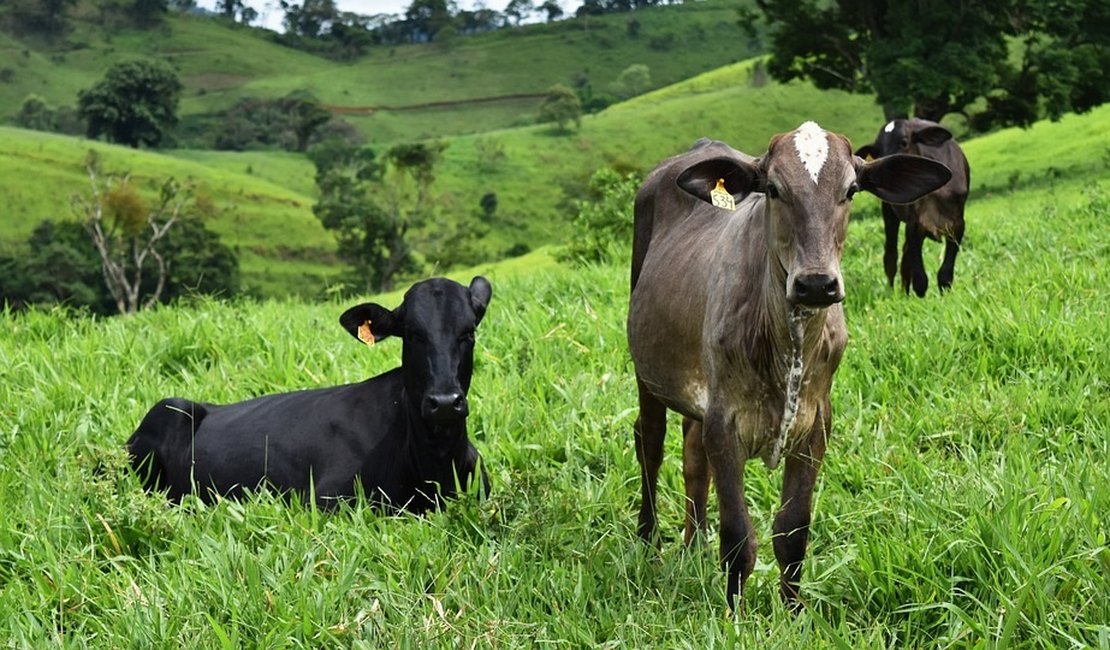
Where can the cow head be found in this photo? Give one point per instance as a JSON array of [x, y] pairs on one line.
[[905, 136], [808, 178], [436, 320]]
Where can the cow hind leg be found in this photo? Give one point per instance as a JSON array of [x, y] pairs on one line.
[[951, 249], [891, 224], [168, 426], [696, 476], [913, 268], [650, 431], [791, 527]]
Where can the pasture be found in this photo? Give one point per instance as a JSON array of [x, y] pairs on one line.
[[962, 503]]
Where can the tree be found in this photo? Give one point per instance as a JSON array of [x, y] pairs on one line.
[[126, 232], [936, 57], [562, 106], [134, 104], [519, 10], [552, 9], [43, 17], [427, 17], [632, 81], [375, 207]]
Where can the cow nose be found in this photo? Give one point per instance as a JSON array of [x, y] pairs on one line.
[[445, 406], [817, 290]]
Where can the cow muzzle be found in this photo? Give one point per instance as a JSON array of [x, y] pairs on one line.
[[444, 407], [815, 290]]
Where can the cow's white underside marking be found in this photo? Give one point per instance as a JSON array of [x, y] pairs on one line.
[[889, 127], [812, 146]]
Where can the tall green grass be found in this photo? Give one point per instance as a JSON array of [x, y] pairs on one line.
[[962, 504]]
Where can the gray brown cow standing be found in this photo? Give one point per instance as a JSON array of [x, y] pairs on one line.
[[735, 322], [938, 215]]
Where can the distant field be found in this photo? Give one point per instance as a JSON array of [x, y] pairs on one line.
[[962, 502], [220, 64]]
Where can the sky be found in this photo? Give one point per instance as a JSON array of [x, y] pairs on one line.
[[269, 12]]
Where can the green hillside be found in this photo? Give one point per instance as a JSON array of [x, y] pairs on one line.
[[266, 198], [220, 64], [282, 247]]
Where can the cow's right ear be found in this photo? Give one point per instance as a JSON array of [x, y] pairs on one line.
[[740, 178], [370, 322]]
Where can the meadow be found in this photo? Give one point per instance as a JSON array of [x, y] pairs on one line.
[[962, 503]]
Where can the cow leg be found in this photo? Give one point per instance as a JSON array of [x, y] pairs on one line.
[[791, 528], [726, 460], [695, 472], [913, 268], [650, 431], [891, 223], [161, 447], [951, 248]]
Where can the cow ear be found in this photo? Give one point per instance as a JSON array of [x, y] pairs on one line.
[[932, 136], [480, 294], [867, 151], [740, 178], [901, 178], [370, 322]]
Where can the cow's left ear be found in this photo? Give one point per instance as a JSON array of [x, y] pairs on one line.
[[867, 151], [480, 294], [740, 178], [932, 136], [901, 178], [370, 322]]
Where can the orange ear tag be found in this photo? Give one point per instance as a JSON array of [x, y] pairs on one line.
[[720, 196], [364, 333]]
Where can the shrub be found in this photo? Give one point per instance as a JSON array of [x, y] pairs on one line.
[[602, 230]]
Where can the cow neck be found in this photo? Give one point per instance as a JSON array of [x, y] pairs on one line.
[[785, 342], [433, 450]]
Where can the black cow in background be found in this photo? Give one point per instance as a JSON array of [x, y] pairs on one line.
[[402, 434], [938, 215]]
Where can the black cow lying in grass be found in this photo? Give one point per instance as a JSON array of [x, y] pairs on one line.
[[401, 435]]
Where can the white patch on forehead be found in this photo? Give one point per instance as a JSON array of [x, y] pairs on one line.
[[812, 146], [889, 127]]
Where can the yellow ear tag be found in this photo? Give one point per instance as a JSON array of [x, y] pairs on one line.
[[721, 197], [364, 333]]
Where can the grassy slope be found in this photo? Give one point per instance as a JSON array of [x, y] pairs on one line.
[[962, 503], [283, 247], [220, 64], [543, 172]]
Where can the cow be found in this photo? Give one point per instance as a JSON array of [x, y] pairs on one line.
[[938, 215], [399, 438], [735, 322]]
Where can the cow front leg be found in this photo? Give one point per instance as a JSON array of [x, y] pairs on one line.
[[891, 223], [650, 431], [913, 268], [951, 249], [791, 528], [726, 460], [696, 476]]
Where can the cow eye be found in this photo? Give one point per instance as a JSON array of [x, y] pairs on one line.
[[467, 337], [852, 189], [772, 191]]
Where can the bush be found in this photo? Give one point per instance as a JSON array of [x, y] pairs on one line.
[[60, 266], [602, 230]]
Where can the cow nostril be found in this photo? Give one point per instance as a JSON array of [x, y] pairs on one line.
[[831, 287]]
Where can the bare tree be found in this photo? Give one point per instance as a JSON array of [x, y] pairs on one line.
[[126, 231]]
